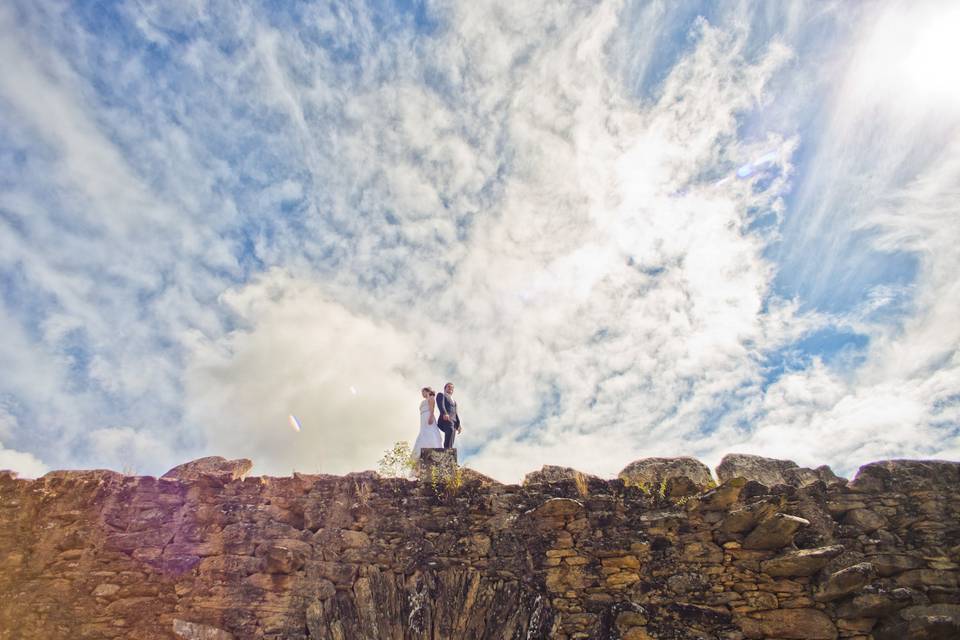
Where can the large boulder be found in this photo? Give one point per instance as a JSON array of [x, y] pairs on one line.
[[771, 472], [907, 475], [550, 474], [212, 467], [678, 476]]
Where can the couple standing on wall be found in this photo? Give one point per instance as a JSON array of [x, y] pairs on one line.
[[437, 431]]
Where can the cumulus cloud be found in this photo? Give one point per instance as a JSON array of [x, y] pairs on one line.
[[353, 383], [620, 229], [25, 464], [128, 450]]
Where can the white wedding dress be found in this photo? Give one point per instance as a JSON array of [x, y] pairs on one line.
[[430, 437]]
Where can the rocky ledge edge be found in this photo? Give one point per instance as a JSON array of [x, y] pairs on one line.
[[670, 477]]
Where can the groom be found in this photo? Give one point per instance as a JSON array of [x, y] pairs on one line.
[[449, 421]]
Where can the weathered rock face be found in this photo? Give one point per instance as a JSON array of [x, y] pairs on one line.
[[213, 467], [551, 474], [771, 472], [211, 555], [675, 477]]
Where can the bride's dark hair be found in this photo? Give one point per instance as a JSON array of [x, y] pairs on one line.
[[429, 391]]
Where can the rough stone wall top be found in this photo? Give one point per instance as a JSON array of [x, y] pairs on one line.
[[214, 467], [99, 555], [678, 476], [893, 475], [552, 473], [771, 472]]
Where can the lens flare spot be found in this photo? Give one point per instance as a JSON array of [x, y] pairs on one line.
[[294, 423], [769, 156], [353, 390], [751, 168]]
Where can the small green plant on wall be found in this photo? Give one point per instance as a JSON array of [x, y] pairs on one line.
[[635, 481], [657, 490], [662, 489], [446, 478], [397, 462]]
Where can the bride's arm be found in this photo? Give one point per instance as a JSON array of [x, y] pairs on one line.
[[432, 403]]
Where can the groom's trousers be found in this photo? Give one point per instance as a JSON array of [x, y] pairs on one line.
[[449, 433]]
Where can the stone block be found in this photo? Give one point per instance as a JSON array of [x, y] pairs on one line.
[[774, 532], [846, 581], [444, 461], [746, 518], [354, 539], [558, 508], [876, 603], [850, 626], [928, 578], [928, 627], [195, 631], [864, 519], [284, 556], [891, 564], [723, 497], [803, 562], [789, 624]]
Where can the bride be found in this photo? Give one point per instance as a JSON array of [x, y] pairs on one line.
[[430, 436]]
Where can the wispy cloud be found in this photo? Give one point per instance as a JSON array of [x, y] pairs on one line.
[[220, 214]]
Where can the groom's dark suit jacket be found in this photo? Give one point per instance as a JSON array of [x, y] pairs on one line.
[[443, 406]]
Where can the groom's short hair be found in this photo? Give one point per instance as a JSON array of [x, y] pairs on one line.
[[447, 384]]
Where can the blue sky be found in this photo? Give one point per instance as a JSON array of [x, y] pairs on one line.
[[623, 228]]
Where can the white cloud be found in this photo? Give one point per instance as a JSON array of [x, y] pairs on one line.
[[889, 164], [8, 422], [25, 464], [305, 355], [129, 450], [275, 216]]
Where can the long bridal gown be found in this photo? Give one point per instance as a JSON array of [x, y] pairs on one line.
[[430, 437]]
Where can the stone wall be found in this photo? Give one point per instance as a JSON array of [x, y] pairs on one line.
[[657, 553]]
